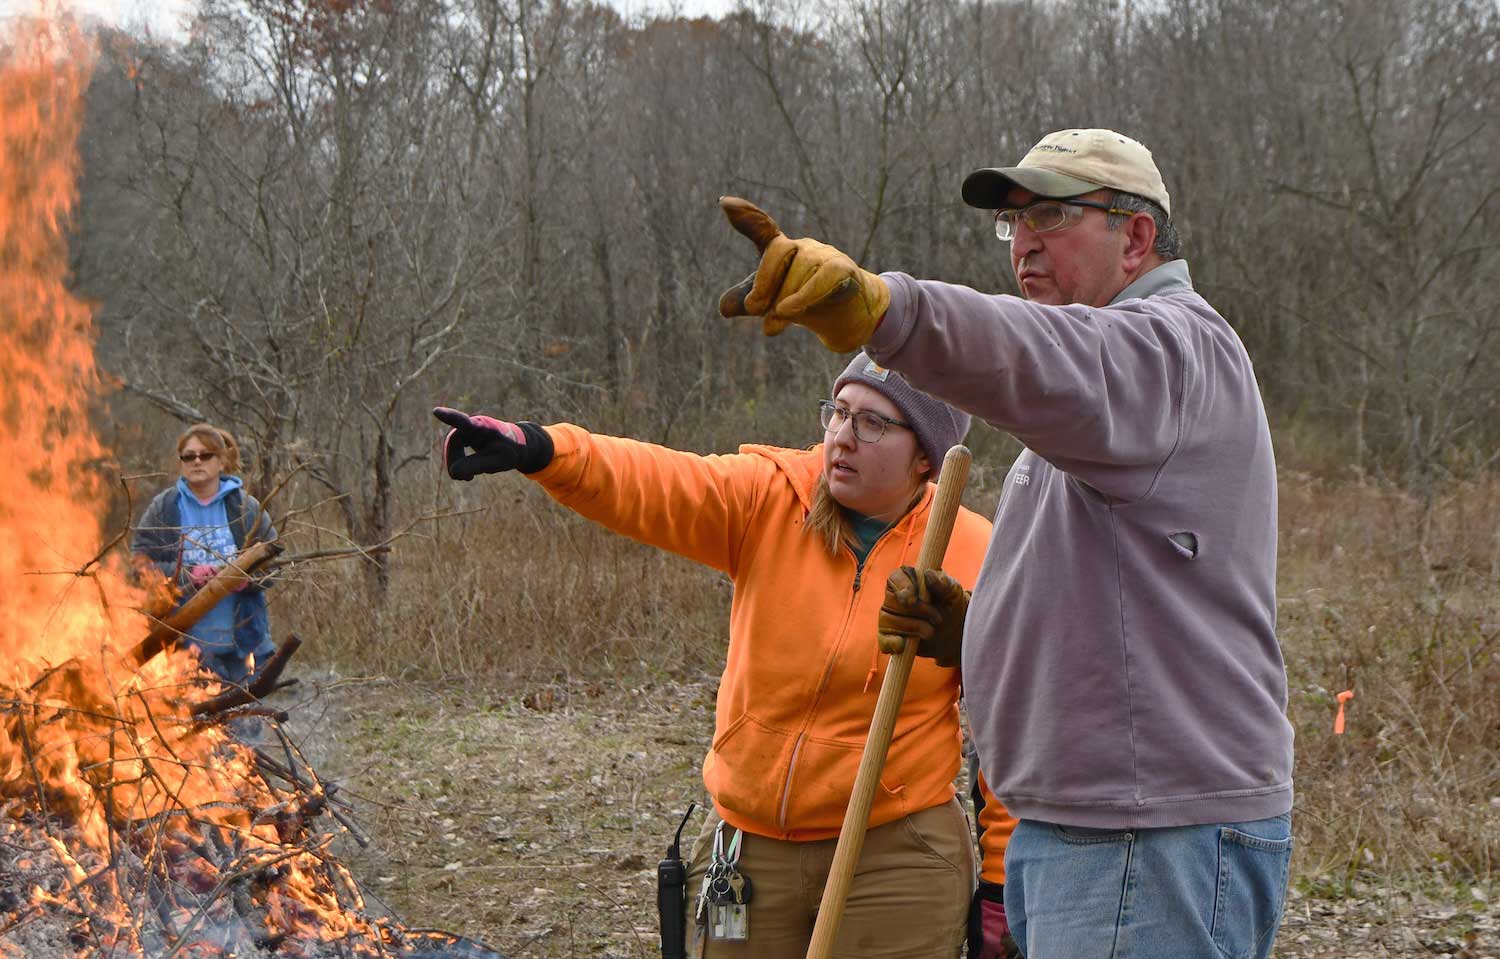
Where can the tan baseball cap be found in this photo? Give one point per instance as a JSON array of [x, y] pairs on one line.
[[1070, 163]]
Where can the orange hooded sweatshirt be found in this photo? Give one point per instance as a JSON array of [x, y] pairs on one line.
[[803, 672]]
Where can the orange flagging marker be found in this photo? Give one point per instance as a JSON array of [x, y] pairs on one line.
[[1338, 719]]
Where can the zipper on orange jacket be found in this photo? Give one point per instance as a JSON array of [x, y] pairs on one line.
[[859, 570]]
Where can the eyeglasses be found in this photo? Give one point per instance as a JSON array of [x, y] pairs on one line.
[[869, 426], [205, 456], [1047, 216]]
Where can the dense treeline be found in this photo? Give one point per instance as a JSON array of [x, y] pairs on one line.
[[314, 217]]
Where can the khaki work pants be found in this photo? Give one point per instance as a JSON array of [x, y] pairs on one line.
[[909, 899]]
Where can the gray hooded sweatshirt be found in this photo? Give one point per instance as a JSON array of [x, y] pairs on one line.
[[1120, 661]]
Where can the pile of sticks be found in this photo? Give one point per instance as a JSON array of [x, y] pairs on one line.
[[142, 816], [243, 873]]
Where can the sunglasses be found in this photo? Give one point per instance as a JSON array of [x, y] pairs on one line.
[[205, 456]]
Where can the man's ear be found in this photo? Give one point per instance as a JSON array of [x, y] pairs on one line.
[[1140, 241]]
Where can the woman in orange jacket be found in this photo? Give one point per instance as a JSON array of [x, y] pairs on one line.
[[809, 538]]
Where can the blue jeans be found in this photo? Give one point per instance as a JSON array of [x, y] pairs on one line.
[[1186, 892]]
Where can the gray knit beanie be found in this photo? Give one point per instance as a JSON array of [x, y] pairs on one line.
[[938, 426]]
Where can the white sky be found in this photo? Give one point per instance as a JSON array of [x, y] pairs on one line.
[[686, 8], [162, 17], [167, 17]]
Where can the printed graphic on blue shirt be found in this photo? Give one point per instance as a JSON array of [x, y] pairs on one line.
[[211, 545]]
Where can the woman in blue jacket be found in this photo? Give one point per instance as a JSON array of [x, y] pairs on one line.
[[198, 525]]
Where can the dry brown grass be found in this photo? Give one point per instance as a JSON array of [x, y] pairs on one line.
[[1396, 598], [525, 590], [529, 818]]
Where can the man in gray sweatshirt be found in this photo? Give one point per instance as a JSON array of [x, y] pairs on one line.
[[1122, 675]]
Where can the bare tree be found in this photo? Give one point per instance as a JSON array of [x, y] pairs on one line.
[[321, 238]]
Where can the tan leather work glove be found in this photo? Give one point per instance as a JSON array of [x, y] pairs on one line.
[[928, 609], [804, 282]]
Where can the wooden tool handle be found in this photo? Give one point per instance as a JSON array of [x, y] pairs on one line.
[[892, 690]]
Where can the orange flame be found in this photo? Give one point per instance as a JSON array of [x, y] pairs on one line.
[[46, 363]]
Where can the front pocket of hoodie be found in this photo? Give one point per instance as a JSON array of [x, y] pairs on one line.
[[1251, 892], [745, 766], [821, 783]]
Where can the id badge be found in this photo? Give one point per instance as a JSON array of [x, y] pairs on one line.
[[729, 921]]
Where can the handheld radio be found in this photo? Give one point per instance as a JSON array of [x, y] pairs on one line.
[[671, 895]]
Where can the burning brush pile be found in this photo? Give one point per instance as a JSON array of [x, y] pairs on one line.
[[132, 821]]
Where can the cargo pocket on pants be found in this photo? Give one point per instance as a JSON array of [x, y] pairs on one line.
[[1251, 893]]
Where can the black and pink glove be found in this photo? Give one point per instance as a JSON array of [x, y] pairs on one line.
[[497, 446], [989, 932]]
